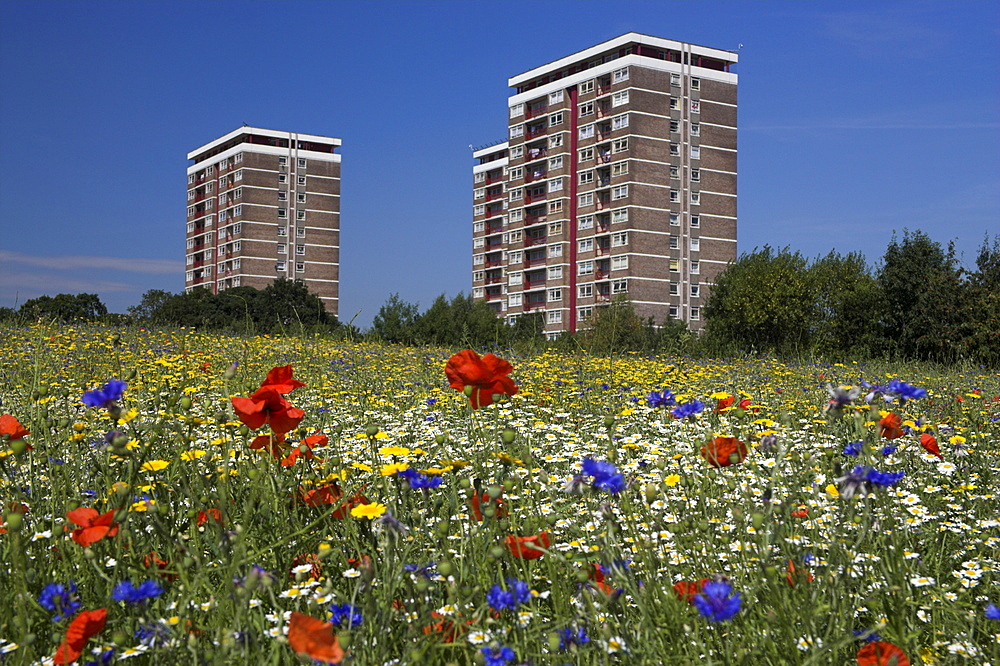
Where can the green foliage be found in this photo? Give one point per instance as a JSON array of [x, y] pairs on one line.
[[395, 321], [617, 328], [64, 307]]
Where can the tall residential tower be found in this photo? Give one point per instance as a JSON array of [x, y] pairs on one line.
[[264, 204], [618, 177]]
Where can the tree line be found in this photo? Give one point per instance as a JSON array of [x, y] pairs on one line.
[[919, 303]]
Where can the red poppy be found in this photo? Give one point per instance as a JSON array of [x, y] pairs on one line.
[[12, 427], [84, 626], [747, 405], [312, 559], [521, 546], [881, 653], [309, 443], [724, 403], [930, 444], [93, 526], [209, 514], [801, 512], [152, 559], [332, 494], [724, 451], [279, 380], [890, 426], [486, 376], [266, 405], [596, 574], [477, 503], [794, 576], [314, 638], [686, 590]]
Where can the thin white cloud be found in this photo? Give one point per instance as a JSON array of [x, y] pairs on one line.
[[77, 262], [870, 124]]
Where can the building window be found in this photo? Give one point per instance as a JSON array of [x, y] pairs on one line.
[[675, 171], [556, 163], [302, 163], [300, 267], [478, 292], [619, 168], [478, 243], [555, 316], [673, 312], [695, 129], [586, 245], [695, 83], [210, 171], [514, 300], [695, 267], [515, 278], [556, 97], [282, 178], [675, 289], [586, 155], [514, 257], [585, 290], [585, 222], [675, 126], [515, 173], [300, 232], [515, 236], [300, 198], [517, 215], [695, 290], [619, 122], [279, 266], [586, 199], [619, 145], [300, 215], [555, 295], [587, 131], [675, 196], [281, 248], [619, 192], [695, 314], [478, 276], [695, 152], [282, 161], [675, 79], [282, 231], [586, 177], [619, 215], [301, 180], [695, 244], [675, 266], [585, 268], [695, 106], [619, 98], [696, 174], [555, 140], [479, 209], [619, 238], [583, 314], [586, 87], [516, 194], [479, 193], [236, 211], [619, 263], [282, 213], [555, 206], [675, 243], [517, 152], [555, 273], [479, 177], [619, 287], [695, 221], [556, 119], [555, 250], [282, 195], [516, 131], [477, 259], [190, 179], [586, 109], [516, 110], [675, 103], [300, 249], [555, 228], [675, 150], [696, 197]]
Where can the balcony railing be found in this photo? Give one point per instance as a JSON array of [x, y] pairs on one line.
[[494, 229], [493, 196], [536, 131], [531, 112], [494, 179], [495, 262], [535, 153], [533, 240], [528, 307], [534, 284], [493, 280], [535, 262], [532, 176]]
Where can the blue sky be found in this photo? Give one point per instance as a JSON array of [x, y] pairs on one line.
[[856, 119]]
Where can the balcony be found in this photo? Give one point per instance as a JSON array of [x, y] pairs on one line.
[[492, 211], [540, 261], [494, 229], [535, 219], [535, 154], [534, 240], [493, 280], [534, 284], [538, 109], [602, 275], [532, 132], [494, 263], [198, 263], [532, 176], [494, 195], [533, 305], [534, 198], [494, 179], [494, 296]]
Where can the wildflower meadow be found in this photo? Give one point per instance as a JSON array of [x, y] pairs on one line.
[[180, 497]]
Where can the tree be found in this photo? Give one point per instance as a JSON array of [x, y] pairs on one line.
[[395, 321], [288, 303], [65, 307], [764, 301], [150, 304], [846, 306]]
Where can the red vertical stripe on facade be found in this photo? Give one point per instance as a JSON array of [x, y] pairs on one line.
[[573, 137]]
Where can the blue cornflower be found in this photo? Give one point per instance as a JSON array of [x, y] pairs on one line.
[[517, 593], [431, 401], [409, 473], [424, 481], [154, 634], [606, 476], [344, 612], [905, 391], [664, 398], [992, 612], [853, 449], [686, 409], [59, 599], [866, 636], [889, 450], [499, 655], [107, 395], [568, 637], [103, 659], [130, 594], [717, 601], [884, 479]]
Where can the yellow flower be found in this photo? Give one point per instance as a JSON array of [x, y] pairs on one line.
[[672, 480], [128, 416], [507, 460], [393, 469], [832, 491], [719, 395], [368, 510], [394, 451], [192, 455], [154, 465], [143, 505], [363, 467], [435, 471], [957, 439]]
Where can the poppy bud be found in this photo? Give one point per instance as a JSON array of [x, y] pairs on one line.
[[508, 436], [244, 431], [130, 375], [772, 571], [440, 439], [230, 371], [89, 553], [582, 576], [490, 512], [43, 391], [496, 552], [29, 639], [464, 484], [14, 521], [423, 584], [19, 447], [344, 639], [468, 391], [120, 638], [72, 505], [494, 491], [609, 421], [446, 568], [186, 403], [371, 431], [554, 642], [64, 423]]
